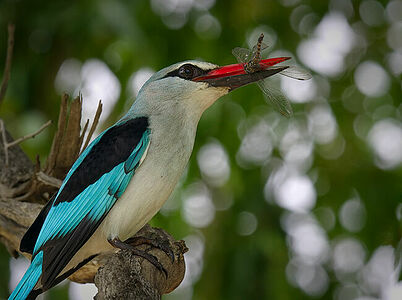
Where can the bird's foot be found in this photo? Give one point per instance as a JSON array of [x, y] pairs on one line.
[[117, 243], [157, 242]]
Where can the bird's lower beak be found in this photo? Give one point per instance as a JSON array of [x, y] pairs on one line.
[[234, 76]]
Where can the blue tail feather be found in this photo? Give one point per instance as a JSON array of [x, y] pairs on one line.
[[31, 277]]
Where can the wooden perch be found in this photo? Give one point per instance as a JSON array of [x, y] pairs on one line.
[[137, 277]]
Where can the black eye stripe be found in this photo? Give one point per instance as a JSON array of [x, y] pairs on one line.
[[187, 71]]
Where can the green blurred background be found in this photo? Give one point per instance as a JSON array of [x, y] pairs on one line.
[[271, 208]]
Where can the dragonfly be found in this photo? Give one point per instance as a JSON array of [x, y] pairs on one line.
[[252, 62]]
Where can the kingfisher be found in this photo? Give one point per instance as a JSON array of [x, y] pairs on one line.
[[122, 179]]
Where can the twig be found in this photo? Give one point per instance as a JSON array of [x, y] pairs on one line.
[[9, 57], [83, 131], [23, 197], [94, 124], [3, 136], [51, 162], [49, 180], [20, 140], [32, 135]]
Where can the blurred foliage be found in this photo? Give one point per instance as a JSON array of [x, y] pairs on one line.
[[267, 261]]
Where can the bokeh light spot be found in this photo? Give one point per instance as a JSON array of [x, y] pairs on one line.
[[194, 260], [371, 79], [385, 138], [394, 10], [298, 91], [68, 76], [296, 193], [203, 4], [352, 215], [322, 124], [256, 146], [312, 279], [378, 275], [214, 164], [78, 291], [138, 79], [246, 223], [98, 83], [308, 240], [348, 256], [394, 61], [371, 12], [207, 27], [17, 270], [333, 38], [198, 209], [394, 36]]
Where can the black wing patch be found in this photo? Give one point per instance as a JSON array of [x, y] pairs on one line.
[[113, 148]]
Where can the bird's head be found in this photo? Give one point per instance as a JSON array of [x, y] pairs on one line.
[[192, 86]]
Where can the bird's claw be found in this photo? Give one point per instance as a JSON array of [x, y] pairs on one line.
[[149, 257], [155, 243]]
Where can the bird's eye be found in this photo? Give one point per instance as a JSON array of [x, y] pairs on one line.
[[187, 71]]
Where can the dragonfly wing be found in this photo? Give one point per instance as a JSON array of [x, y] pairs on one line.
[[242, 54], [296, 73], [275, 97]]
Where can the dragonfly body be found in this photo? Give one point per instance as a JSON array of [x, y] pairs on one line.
[[253, 65]]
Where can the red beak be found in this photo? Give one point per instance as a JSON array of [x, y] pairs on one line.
[[234, 76]]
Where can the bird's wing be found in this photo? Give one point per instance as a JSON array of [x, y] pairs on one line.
[[97, 179]]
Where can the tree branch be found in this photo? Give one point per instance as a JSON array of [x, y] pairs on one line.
[[94, 125], [7, 66], [19, 140], [29, 136]]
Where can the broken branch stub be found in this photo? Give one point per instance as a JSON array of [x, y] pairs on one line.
[[69, 137]]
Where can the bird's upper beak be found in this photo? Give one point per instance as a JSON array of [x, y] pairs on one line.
[[234, 76]]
